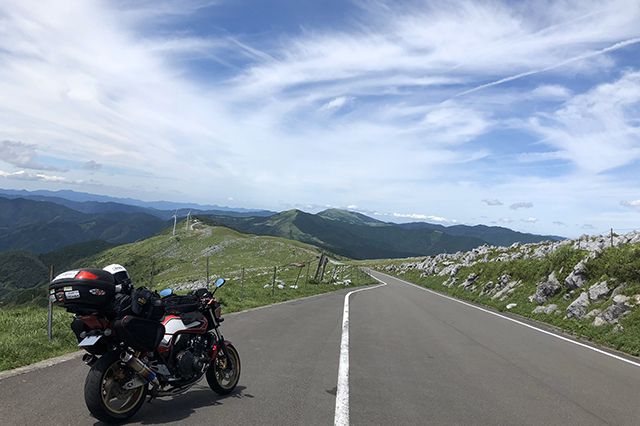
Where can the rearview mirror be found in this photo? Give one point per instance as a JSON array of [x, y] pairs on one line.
[[219, 282]]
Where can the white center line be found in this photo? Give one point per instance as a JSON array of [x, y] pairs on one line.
[[341, 417]]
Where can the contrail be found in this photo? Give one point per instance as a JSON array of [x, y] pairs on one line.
[[587, 55]]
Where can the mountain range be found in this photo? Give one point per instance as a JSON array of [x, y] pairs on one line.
[[358, 236], [44, 221]]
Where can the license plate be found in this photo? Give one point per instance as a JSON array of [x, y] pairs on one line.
[[89, 341]]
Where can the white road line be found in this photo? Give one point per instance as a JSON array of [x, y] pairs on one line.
[[600, 351], [341, 417]]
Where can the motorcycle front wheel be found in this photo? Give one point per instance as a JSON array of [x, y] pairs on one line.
[[223, 378], [103, 394]]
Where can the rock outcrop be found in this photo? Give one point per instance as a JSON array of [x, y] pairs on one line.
[[599, 291], [578, 308], [610, 315], [546, 289]]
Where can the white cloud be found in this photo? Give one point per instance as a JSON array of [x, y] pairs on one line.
[[336, 103], [530, 220], [492, 202], [551, 91], [418, 216], [91, 165], [23, 155], [23, 175], [596, 130], [631, 203], [521, 205]]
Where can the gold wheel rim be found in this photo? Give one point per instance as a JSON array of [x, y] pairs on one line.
[[115, 399]]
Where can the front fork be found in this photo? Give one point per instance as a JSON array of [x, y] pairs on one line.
[[220, 345]]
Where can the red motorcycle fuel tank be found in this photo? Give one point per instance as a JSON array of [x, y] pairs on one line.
[[174, 324]]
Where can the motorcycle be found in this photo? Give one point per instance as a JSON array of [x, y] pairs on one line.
[[144, 344]]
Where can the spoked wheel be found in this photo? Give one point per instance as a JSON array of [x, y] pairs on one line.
[[103, 392], [221, 376]]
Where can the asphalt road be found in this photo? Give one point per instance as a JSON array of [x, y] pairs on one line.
[[415, 358]]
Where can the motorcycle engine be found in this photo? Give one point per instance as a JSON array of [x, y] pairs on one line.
[[192, 360]]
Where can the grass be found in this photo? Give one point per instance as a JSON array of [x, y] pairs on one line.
[[23, 336], [166, 261], [616, 265]]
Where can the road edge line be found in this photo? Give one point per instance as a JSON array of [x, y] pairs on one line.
[[341, 414], [566, 339]]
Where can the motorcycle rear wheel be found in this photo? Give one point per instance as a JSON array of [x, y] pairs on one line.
[[222, 378], [105, 398]]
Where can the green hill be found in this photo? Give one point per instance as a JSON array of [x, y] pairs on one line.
[[351, 234], [181, 259]]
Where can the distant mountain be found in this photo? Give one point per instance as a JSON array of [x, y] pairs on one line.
[[94, 201], [353, 218], [40, 226], [351, 234], [493, 235], [358, 236]]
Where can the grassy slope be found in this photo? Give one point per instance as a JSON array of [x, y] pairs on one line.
[[176, 262], [616, 265]]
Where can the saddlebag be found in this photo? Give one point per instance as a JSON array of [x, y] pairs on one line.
[[139, 333], [178, 304]]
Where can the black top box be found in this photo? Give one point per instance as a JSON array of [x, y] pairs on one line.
[[83, 291]]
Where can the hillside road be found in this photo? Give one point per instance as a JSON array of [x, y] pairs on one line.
[[415, 357]]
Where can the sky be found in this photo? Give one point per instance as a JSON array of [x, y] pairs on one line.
[[524, 114]]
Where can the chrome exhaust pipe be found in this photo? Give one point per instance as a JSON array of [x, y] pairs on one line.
[[140, 368]]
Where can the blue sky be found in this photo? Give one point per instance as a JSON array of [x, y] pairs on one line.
[[521, 114]]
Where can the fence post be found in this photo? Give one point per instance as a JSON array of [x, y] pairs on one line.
[[325, 260], [50, 309], [273, 284], [299, 273], [207, 271], [242, 285], [611, 237], [319, 267]]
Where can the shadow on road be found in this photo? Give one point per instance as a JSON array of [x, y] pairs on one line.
[[180, 407]]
